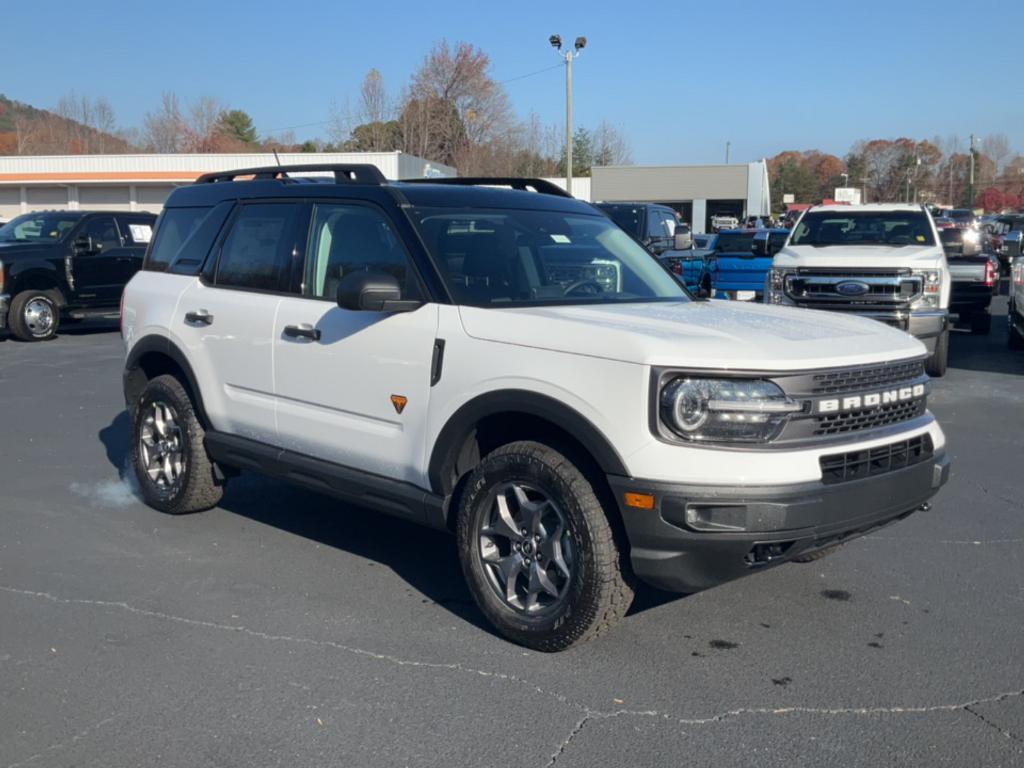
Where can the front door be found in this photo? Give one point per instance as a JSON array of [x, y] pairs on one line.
[[97, 275], [353, 387]]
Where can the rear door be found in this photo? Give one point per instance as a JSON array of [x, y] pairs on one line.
[[226, 320], [136, 232], [354, 388]]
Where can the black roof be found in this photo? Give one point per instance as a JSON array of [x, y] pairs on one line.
[[358, 183]]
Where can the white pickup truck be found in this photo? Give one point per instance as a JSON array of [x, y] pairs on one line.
[[883, 261]]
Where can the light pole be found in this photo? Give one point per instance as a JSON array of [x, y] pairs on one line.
[[728, 145], [970, 189], [569, 55]]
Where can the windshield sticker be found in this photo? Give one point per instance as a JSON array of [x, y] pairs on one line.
[[920, 238], [560, 238]]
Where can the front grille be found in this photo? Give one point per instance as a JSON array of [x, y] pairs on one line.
[[853, 379], [880, 290], [868, 418], [856, 465]]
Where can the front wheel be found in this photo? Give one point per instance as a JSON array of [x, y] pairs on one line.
[[936, 365], [35, 314], [538, 551], [174, 472]]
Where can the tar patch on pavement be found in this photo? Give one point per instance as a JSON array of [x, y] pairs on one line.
[[836, 594], [723, 645], [783, 681]]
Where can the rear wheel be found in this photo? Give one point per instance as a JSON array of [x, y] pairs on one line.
[[35, 314], [174, 472], [537, 549], [936, 364]]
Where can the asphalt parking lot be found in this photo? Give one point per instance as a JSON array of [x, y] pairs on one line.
[[282, 629]]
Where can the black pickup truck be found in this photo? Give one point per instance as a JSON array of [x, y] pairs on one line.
[[975, 278], [67, 265]]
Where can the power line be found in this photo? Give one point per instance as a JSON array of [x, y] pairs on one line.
[[531, 74]]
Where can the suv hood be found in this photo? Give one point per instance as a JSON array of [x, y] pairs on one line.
[[723, 335], [10, 251], [860, 256]]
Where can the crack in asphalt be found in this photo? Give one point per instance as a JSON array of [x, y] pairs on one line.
[[970, 542], [588, 713], [1011, 736], [60, 745]]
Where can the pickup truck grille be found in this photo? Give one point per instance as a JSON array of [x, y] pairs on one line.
[[853, 290], [851, 379], [868, 418], [855, 465]]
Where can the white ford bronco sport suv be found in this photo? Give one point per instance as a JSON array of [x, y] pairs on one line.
[[510, 365], [881, 260]]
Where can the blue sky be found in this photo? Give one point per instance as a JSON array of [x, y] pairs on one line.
[[679, 78]]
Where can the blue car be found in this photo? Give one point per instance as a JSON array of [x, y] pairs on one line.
[[737, 272]]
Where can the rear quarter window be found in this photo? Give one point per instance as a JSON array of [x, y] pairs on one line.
[[183, 238]]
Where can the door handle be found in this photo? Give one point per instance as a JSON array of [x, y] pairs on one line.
[[199, 317], [303, 330]]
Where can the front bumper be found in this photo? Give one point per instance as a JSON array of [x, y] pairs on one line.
[[5, 307], [769, 524], [926, 325]]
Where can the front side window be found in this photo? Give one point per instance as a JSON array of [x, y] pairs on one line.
[[103, 231], [38, 228], [506, 257], [354, 238], [892, 228], [258, 252]]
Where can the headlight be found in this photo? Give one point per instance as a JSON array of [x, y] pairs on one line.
[[725, 410], [932, 288], [775, 287]]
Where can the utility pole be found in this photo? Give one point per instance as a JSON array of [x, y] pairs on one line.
[[728, 144], [970, 189], [578, 45]]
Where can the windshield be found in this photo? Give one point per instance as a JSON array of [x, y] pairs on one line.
[[626, 216], [892, 228], [735, 242], [37, 228], [507, 258]]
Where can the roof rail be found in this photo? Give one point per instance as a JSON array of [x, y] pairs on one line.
[[344, 173], [523, 184]]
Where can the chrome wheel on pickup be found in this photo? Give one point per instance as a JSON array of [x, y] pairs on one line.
[[35, 315], [537, 549]]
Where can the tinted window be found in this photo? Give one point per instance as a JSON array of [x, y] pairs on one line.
[[136, 230], [504, 257], [103, 231], [258, 251], [738, 242], [626, 216], [184, 237], [353, 238], [893, 228]]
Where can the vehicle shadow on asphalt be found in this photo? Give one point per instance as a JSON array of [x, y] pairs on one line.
[[985, 354], [426, 559]]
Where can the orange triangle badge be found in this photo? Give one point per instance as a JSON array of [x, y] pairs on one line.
[[399, 402]]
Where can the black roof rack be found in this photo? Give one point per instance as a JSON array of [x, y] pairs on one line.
[[523, 184], [344, 173]]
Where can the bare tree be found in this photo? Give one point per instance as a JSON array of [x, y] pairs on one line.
[[611, 146], [165, 130], [200, 133], [997, 147]]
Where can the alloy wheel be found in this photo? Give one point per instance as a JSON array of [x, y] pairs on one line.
[[526, 549], [161, 448]]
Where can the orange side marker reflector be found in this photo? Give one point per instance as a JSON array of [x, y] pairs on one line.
[[640, 500], [399, 402]]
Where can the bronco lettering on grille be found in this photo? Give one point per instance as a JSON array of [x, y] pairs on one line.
[[872, 400]]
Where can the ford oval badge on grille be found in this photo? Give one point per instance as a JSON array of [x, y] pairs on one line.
[[852, 288]]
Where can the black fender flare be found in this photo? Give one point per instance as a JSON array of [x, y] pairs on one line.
[[162, 345], [461, 423], [23, 271]]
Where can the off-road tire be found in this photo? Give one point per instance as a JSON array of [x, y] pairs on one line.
[[198, 488], [935, 366], [811, 557], [598, 593], [17, 321]]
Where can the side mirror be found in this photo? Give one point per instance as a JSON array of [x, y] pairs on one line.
[[760, 245], [372, 291], [84, 245], [1014, 243], [683, 238]]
